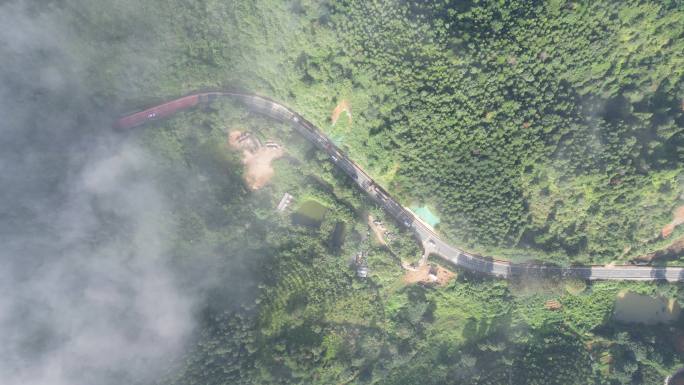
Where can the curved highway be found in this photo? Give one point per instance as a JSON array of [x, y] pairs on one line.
[[432, 243]]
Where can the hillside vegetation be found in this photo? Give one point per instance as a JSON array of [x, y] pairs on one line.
[[546, 130]]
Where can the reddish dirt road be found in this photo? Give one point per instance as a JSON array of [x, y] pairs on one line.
[[343, 106]]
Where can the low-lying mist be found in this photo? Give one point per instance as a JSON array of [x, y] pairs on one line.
[[88, 292]]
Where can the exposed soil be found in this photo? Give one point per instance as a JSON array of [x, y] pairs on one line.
[[676, 248], [343, 106], [678, 216], [256, 158], [552, 304], [428, 274], [667, 230], [672, 251], [677, 219]]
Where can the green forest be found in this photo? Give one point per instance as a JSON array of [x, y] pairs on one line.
[[295, 311], [549, 131]]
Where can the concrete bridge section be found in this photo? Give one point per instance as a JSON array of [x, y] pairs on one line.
[[429, 239]]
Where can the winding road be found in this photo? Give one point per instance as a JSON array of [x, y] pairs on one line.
[[432, 243]]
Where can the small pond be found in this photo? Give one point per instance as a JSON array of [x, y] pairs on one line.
[[425, 214], [639, 308], [337, 236], [310, 214]]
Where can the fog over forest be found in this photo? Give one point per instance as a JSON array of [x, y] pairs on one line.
[[87, 295]]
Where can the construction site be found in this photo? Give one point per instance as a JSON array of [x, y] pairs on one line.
[[256, 157]]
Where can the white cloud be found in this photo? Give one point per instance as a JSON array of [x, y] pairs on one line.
[[87, 295]]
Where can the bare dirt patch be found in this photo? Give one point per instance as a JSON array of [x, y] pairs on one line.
[[428, 274], [256, 157], [672, 251], [552, 304], [677, 219], [343, 106]]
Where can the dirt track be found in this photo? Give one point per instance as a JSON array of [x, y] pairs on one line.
[[378, 230], [343, 106]]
